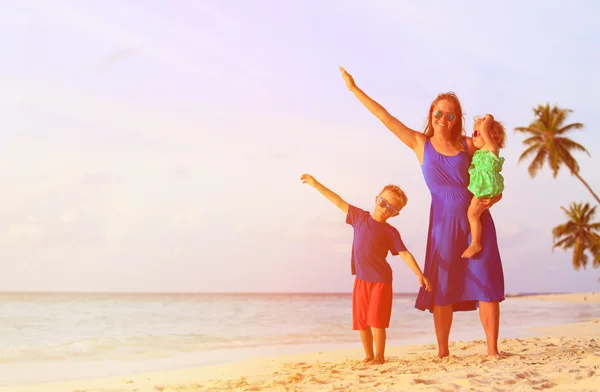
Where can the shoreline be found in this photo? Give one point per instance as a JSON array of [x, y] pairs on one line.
[[560, 356], [580, 298]]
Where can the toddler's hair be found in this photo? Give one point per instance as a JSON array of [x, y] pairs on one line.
[[499, 133], [398, 194]]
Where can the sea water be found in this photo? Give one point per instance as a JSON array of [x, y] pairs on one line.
[[52, 337]]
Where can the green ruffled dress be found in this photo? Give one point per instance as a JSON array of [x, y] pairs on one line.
[[485, 178]]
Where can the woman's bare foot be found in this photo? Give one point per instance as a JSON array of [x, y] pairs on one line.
[[471, 251], [443, 354], [378, 361], [368, 359], [496, 355]]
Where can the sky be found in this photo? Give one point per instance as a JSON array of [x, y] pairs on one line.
[[158, 145]]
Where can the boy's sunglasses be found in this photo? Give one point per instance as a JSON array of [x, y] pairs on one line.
[[438, 114], [381, 202]]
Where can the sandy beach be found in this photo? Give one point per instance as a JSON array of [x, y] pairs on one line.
[[561, 358], [593, 298]]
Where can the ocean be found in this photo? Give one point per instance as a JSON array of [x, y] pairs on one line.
[[54, 337]]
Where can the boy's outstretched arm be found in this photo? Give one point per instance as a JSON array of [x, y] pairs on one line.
[[412, 264], [328, 193]]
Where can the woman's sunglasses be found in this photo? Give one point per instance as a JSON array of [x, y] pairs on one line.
[[438, 114], [381, 202]]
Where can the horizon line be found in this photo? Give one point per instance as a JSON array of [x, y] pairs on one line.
[[516, 294]]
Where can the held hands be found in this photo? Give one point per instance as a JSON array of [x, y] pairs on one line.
[[423, 281], [308, 179], [348, 79]]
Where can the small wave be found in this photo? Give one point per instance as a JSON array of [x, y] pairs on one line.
[[57, 351], [148, 346]]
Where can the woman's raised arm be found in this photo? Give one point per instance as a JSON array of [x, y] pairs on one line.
[[413, 139]]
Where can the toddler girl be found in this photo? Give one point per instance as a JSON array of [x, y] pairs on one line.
[[485, 178]]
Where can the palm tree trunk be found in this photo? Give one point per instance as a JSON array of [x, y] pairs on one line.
[[588, 187], [584, 183]]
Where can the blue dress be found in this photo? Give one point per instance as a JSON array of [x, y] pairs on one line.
[[457, 281]]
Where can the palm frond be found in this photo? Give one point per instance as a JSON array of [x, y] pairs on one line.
[[566, 243], [570, 145], [578, 233], [595, 251], [588, 212], [545, 134], [533, 140], [535, 128], [579, 257], [558, 117], [569, 128], [564, 229], [554, 158], [537, 163], [529, 151], [595, 226]]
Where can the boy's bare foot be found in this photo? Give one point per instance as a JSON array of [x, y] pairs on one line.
[[443, 354], [471, 251], [378, 361], [368, 359]]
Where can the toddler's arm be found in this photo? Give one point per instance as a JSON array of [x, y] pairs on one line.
[[486, 129], [412, 264], [328, 193]]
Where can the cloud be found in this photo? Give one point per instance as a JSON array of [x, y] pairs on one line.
[[63, 13], [98, 179], [108, 174], [343, 248], [517, 236], [181, 48], [121, 54]]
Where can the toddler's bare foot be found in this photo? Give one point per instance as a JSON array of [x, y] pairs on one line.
[[471, 251], [378, 361], [443, 354], [368, 359]]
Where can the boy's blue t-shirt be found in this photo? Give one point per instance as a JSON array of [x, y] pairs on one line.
[[370, 246]]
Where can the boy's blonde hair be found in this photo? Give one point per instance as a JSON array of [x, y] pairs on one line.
[[499, 133], [398, 194]]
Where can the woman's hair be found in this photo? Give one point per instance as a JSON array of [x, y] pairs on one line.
[[499, 133], [458, 132], [398, 193]]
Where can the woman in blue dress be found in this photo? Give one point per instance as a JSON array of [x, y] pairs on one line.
[[458, 284]]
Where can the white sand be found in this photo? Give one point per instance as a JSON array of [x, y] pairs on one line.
[[591, 297], [567, 358]]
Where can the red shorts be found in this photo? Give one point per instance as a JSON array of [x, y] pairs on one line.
[[371, 304]]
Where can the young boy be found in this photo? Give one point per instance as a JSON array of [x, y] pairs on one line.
[[373, 238]]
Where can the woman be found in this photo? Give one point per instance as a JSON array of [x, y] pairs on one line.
[[458, 284]]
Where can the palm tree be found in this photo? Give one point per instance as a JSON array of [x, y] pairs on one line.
[[579, 233], [547, 141]]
